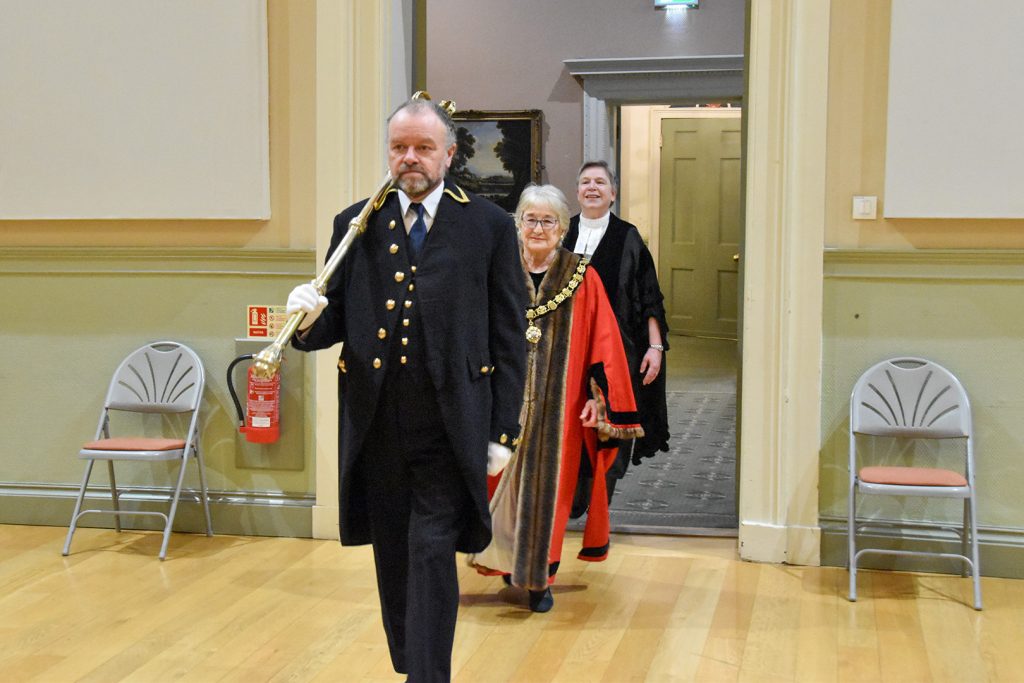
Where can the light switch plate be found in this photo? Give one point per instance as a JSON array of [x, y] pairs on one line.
[[865, 208]]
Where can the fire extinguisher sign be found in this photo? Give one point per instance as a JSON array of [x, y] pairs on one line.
[[264, 321]]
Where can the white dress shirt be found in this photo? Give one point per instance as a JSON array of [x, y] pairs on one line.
[[429, 203]]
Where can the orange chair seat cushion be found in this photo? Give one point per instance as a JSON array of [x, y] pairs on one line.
[[911, 476], [134, 443]]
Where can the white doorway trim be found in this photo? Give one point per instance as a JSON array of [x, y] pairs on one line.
[[351, 106], [608, 83], [785, 116]]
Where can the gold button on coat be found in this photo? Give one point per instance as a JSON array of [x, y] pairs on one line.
[[376, 363], [412, 268], [393, 248], [504, 439], [407, 304], [484, 370], [411, 286], [405, 341], [391, 225], [405, 322], [382, 333], [403, 360], [390, 304], [399, 276]]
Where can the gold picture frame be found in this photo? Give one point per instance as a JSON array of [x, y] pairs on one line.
[[498, 153]]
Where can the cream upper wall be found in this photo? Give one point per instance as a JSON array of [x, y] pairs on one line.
[[292, 51], [858, 96]]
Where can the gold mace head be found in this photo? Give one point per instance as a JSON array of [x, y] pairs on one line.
[[268, 361], [447, 105]]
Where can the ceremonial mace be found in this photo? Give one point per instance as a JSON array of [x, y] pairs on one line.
[[268, 361]]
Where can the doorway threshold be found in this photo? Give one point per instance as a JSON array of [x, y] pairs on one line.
[[674, 530]]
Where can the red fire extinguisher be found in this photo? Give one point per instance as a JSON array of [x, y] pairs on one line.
[[261, 422]]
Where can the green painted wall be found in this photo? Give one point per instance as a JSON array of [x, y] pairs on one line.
[[961, 309], [71, 315]]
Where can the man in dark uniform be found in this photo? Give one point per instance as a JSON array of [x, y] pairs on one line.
[[429, 306]]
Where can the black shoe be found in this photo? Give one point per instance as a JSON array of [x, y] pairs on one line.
[[507, 578], [541, 601]]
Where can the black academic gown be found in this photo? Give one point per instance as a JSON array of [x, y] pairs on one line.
[[631, 281]]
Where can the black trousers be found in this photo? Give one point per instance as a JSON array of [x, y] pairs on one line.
[[418, 503]]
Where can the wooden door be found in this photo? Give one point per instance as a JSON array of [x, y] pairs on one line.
[[700, 224]]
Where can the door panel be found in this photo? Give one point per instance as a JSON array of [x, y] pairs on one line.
[[700, 224]]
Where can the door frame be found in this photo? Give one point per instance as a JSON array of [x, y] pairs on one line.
[[785, 83], [611, 82]]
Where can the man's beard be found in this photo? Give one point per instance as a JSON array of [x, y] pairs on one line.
[[416, 184]]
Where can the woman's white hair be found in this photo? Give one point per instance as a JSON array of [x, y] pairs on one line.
[[544, 197]]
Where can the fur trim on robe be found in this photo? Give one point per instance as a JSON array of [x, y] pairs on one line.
[[579, 356]]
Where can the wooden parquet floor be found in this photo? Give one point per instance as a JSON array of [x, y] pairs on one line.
[[660, 609]]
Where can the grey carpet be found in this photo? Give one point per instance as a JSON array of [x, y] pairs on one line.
[[692, 488]]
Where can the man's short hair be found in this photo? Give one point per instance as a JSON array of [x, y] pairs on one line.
[[598, 163], [420, 106]]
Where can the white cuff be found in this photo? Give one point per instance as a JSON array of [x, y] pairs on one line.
[[497, 457]]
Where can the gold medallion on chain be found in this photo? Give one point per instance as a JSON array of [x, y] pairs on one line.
[[533, 333]]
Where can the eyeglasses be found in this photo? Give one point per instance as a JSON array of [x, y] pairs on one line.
[[548, 224]]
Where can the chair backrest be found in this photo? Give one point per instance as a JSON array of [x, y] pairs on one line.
[[910, 397], [161, 377]]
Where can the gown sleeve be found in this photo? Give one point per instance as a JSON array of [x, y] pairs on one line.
[[607, 368], [609, 384]]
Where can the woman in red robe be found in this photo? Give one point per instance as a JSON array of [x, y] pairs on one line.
[[578, 391]]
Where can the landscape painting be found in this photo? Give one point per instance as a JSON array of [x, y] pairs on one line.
[[498, 153]]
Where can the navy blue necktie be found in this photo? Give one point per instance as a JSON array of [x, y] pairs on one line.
[[418, 233]]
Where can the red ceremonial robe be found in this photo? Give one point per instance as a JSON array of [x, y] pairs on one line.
[[579, 356]]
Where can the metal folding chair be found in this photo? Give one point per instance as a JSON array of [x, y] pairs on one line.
[[912, 398], [164, 378]]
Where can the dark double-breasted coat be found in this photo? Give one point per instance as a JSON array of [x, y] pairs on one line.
[[466, 292]]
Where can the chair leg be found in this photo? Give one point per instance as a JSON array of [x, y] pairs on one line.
[[78, 508], [174, 508], [203, 489], [851, 534], [965, 538], [113, 496], [975, 559]]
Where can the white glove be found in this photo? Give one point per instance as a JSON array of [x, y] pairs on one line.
[[306, 298], [497, 457]]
